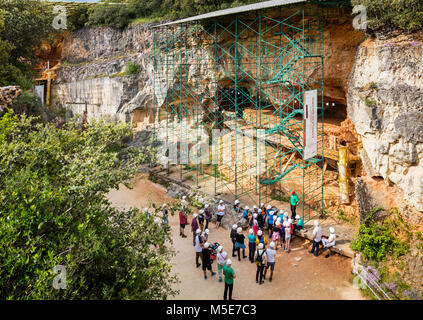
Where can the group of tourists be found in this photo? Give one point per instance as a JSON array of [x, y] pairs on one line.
[[279, 227]]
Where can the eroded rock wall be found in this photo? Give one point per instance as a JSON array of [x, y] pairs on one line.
[[385, 103]]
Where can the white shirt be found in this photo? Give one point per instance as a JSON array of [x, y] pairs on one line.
[[317, 232], [198, 247], [271, 255], [221, 209], [332, 238]]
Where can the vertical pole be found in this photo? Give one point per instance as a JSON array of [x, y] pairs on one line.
[[301, 89], [258, 150], [236, 106], [48, 89], [322, 28], [217, 145]]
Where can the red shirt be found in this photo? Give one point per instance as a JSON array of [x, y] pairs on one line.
[[182, 218]]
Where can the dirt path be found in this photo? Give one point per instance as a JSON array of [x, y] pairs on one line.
[[309, 278]]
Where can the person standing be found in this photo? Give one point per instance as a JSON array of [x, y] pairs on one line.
[[239, 243], [317, 238], [165, 216], [236, 206], [182, 222], [233, 238], [246, 214], [205, 235], [220, 213], [276, 235], [270, 254], [201, 219], [229, 279], [198, 247], [206, 252], [329, 242], [194, 227], [270, 222], [260, 262], [251, 245], [288, 235], [207, 215], [184, 204], [255, 223], [221, 259], [293, 200], [261, 239]]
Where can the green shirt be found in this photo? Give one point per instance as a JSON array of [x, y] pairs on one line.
[[228, 272], [294, 199]]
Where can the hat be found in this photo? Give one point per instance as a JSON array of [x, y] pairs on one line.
[[198, 231], [259, 210], [285, 214], [239, 230], [195, 215], [261, 245], [247, 208], [292, 192], [289, 220], [157, 220], [250, 231], [316, 223], [201, 211], [262, 205], [259, 232], [229, 262], [206, 231], [236, 201], [206, 205], [219, 248], [224, 254], [278, 223], [234, 226], [254, 207], [297, 217], [269, 207], [206, 245], [332, 230], [255, 215], [272, 244], [184, 197], [164, 205], [221, 201]]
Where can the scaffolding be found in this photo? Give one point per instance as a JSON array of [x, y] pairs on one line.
[[229, 94]]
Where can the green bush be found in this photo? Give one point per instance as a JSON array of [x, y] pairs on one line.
[[375, 240], [54, 211], [393, 14], [132, 68]]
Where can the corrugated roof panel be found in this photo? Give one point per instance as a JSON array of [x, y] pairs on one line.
[[225, 12]]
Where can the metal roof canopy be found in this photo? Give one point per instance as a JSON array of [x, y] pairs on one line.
[[225, 12]]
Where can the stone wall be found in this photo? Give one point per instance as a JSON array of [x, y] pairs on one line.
[[8, 95]]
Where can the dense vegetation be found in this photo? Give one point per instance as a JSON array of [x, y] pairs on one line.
[[53, 183], [402, 14]]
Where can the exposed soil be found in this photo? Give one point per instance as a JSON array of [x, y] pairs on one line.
[[309, 278]]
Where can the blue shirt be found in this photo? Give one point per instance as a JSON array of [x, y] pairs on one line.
[[271, 219], [245, 214], [251, 238]]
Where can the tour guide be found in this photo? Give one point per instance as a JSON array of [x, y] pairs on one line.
[[294, 200]]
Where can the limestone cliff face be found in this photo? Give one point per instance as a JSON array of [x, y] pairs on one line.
[[385, 102], [93, 63]]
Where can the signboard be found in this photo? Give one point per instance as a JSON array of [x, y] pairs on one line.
[[39, 91], [310, 124]]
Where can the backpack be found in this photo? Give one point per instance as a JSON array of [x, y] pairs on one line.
[[259, 258]]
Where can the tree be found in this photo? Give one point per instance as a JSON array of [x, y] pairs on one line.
[[53, 183], [27, 22]]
